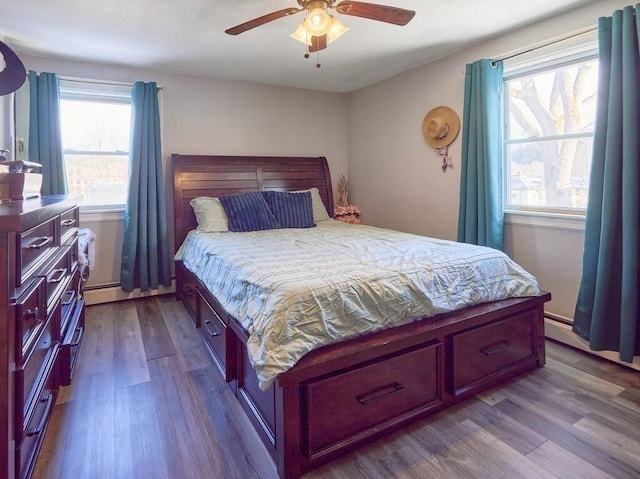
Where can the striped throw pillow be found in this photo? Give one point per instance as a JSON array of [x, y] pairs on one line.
[[248, 212], [292, 210]]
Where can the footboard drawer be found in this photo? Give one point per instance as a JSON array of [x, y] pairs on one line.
[[215, 334], [480, 352], [186, 290], [361, 402]]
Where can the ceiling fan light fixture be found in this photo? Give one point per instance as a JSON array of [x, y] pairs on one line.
[[336, 30], [301, 34], [318, 21]]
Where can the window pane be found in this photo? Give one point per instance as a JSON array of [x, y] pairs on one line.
[[101, 179], [95, 138], [556, 102], [549, 174], [550, 121]]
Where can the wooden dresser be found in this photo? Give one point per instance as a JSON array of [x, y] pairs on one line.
[[41, 321]]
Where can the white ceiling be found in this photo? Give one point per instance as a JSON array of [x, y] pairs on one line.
[[187, 36]]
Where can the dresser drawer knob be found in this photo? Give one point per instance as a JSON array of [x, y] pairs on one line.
[[40, 242], [379, 394], [69, 222], [495, 348]]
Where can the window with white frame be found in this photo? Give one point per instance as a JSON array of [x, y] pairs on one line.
[[549, 120], [95, 122]]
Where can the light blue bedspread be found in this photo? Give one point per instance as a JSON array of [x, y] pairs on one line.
[[294, 290]]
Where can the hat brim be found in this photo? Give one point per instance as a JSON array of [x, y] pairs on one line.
[[14, 73], [450, 117]]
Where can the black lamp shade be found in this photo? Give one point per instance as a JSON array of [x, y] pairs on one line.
[[14, 74]]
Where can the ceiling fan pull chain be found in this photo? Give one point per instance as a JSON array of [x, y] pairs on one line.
[[318, 64]]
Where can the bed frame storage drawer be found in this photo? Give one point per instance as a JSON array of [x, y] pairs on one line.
[[491, 349], [214, 331], [355, 404], [186, 290]]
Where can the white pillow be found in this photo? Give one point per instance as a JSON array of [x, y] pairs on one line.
[[210, 215], [319, 211]]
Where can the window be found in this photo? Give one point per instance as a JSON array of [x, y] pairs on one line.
[[95, 122], [549, 121]]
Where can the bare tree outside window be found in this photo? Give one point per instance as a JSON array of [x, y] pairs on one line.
[[549, 134]]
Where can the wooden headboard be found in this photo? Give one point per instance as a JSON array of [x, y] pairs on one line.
[[198, 175]]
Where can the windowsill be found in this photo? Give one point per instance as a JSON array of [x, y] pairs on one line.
[[114, 213], [537, 219]]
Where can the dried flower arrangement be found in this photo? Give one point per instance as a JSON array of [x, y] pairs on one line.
[[344, 211]]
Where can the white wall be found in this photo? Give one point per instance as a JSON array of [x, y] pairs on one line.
[[207, 116], [397, 180]]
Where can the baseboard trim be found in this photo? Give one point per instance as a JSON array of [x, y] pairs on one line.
[[561, 332], [98, 295]]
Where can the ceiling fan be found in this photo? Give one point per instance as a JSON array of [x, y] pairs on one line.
[[320, 27]]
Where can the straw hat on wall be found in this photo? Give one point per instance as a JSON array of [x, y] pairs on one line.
[[440, 126]]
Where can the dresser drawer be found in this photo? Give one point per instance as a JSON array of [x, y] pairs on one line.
[[70, 344], [58, 275], [31, 374], [69, 221], [69, 299], [34, 430], [31, 315], [34, 248], [489, 349], [352, 405], [214, 332]]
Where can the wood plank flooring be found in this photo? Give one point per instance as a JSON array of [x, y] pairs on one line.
[[146, 401]]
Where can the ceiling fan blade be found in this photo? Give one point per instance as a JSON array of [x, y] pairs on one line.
[[372, 11], [256, 22], [318, 43]]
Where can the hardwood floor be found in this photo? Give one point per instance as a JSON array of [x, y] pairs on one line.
[[146, 401]]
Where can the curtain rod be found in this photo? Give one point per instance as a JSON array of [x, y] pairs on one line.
[[547, 44], [101, 82]]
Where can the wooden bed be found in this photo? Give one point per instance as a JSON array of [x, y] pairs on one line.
[[342, 396]]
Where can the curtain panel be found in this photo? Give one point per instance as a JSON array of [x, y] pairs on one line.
[[45, 134], [606, 311], [481, 210], [145, 251]]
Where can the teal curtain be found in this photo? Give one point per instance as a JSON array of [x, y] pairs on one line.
[[145, 250], [480, 216], [607, 308], [45, 136]]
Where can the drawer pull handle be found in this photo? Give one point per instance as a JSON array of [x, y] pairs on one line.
[[67, 297], [379, 394], [69, 222], [32, 314], [43, 421], [40, 242], [188, 290], [212, 333], [495, 348], [61, 272], [77, 333]]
